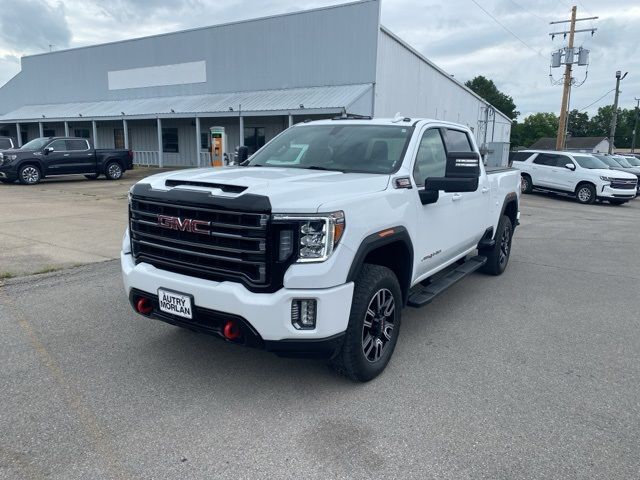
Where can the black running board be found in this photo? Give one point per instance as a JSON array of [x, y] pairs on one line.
[[420, 296]]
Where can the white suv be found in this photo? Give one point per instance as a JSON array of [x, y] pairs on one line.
[[577, 174]]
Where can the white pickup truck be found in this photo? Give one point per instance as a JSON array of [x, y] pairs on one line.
[[318, 253]]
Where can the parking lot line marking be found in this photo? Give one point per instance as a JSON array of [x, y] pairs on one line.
[[84, 414]]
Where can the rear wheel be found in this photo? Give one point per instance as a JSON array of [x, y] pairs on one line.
[[526, 185], [374, 325], [29, 175], [498, 256], [113, 171], [586, 193]]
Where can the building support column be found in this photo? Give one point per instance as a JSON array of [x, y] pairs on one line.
[[66, 129], [41, 129], [94, 128], [290, 120], [126, 134], [241, 131], [198, 161], [18, 134], [160, 159]]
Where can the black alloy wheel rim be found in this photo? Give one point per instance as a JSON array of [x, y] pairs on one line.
[[505, 245], [378, 325]]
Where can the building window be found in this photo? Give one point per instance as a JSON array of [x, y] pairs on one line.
[[25, 136], [254, 138], [81, 133], [170, 140], [4, 132], [49, 132], [204, 141]]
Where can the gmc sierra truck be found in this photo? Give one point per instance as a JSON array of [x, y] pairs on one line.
[[44, 157], [316, 245]]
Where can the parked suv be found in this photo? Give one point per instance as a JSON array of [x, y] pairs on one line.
[[316, 246], [43, 157], [576, 174], [620, 163]]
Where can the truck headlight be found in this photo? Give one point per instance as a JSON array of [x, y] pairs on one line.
[[606, 179], [318, 235]]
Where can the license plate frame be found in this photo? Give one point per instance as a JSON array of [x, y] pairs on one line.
[[175, 303]]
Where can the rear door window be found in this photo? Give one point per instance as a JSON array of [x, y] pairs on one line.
[[519, 156], [77, 144], [545, 159]]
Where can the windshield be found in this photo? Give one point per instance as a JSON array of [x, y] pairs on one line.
[[608, 160], [633, 161], [35, 144], [589, 161], [346, 148], [623, 161]]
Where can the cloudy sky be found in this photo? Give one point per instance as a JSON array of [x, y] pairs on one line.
[[456, 34]]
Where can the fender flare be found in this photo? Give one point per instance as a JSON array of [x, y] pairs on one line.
[[375, 241], [35, 161], [511, 197]]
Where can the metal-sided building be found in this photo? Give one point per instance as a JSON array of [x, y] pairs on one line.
[[160, 95]]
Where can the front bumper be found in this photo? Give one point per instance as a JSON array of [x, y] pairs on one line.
[[268, 314], [618, 193]]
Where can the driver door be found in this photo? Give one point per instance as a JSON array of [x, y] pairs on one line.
[[439, 228], [57, 160]]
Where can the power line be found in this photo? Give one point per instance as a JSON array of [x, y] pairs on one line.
[[508, 30], [529, 11], [593, 103]]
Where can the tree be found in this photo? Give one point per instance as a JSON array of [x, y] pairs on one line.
[[533, 128], [488, 90], [600, 125], [578, 124]]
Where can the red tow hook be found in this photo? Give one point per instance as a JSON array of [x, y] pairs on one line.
[[231, 330], [144, 306]]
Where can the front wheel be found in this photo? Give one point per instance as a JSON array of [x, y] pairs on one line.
[[29, 175], [113, 171], [586, 194], [374, 325]]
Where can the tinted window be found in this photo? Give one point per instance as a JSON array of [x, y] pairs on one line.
[[544, 159], [58, 145], [458, 141], [77, 145], [431, 160], [519, 156], [5, 143]]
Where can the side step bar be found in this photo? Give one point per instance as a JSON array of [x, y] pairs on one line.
[[419, 296]]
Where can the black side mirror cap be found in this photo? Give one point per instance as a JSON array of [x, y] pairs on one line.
[[463, 165], [428, 196]]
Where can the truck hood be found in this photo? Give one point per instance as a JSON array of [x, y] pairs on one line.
[[623, 174], [290, 190]]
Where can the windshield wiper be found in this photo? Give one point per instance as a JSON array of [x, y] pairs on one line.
[[318, 167]]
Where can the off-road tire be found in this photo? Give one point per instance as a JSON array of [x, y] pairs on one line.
[[526, 183], [350, 360], [29, 174], [498, 256]]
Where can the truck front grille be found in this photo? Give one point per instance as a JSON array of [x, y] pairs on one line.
[[196, 240], [624, 184]]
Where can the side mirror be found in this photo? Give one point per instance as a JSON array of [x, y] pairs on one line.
[[48, 150], [570, 166], [461, 175]]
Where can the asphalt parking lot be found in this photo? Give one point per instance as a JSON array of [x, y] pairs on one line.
[[534, 374]]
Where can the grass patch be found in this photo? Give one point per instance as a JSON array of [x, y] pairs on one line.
[[6, 275], [47, 269]]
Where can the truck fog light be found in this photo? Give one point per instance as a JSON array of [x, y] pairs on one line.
[[303, 314]]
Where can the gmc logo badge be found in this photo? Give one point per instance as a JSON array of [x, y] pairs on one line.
[[184, 224]]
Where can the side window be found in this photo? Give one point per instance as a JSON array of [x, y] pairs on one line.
[[545, 159], [77, 145], [5, 143], [58, 146], [431, 160], [458, 141], [562, 160]]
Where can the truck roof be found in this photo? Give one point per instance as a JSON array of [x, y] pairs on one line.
[[383, 121]]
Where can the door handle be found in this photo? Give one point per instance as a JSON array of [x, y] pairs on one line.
[[66, 154], [485, 190], [456, 197]]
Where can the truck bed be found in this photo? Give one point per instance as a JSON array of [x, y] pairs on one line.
[[492, 170]]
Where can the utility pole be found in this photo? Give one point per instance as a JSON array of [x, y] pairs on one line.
[[614, 116], [569, 60], [635, 126]]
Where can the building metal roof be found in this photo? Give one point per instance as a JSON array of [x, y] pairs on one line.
[[549, 143], [268, 102]]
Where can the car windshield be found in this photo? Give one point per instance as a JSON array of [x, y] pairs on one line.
[[35, 144], [607, 160], [345, 148], [633, 161], [589, 161], [623, 161]]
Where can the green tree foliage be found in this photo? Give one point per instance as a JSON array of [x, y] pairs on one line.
[[488, 90], [578, 125], [533, 127]]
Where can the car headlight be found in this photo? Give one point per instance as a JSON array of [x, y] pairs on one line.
[[607, 179], [318, 235], [6, 159]]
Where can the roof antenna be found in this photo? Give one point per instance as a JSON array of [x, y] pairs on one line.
[[397, 118]]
